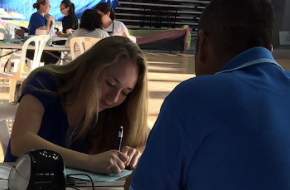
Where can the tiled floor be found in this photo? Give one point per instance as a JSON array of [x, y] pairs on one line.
[[165, 72]]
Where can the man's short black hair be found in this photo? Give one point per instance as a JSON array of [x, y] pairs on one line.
[[234, 26]]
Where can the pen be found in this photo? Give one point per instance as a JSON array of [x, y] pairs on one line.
[[120, 136]]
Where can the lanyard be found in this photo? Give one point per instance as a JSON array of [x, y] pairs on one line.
[[251, 63], [112, 29]]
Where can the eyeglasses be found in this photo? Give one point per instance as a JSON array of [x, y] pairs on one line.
[[63, 8]]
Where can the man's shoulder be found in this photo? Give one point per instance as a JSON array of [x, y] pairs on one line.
[[205, 82], [287, 73], [209, 88]]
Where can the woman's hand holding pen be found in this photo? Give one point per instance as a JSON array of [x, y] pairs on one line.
[[109, 162], [134, 156]]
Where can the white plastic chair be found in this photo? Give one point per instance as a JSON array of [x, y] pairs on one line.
[[14, 56], [78, 45], [7, 112], [3, 32], [39, 43]]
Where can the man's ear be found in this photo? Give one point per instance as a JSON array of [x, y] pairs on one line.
[[271, 48], [201, 52]]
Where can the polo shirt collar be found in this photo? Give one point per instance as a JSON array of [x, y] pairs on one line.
[[247, 56]]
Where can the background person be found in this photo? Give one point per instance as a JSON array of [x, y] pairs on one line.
[[41, 20], [70, 20], [228, 128], [109, 24], [90, 26], [77, 109]]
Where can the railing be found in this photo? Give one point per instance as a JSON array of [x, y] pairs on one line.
[[162, 14]]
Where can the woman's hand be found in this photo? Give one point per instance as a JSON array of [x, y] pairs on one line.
[[58, 33], [133, 156], [49, 18], [69, 30], [113, 34], [110, 162]]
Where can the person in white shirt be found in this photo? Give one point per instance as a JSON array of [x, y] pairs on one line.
[[109, 24]]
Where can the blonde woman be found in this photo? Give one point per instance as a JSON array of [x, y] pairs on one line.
[[77, 109]]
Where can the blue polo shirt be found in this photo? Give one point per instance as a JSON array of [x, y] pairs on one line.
[[36, 21], [228, 131], [54, 125]]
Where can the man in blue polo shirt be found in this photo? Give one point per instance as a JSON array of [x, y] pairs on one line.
[[228, 128]]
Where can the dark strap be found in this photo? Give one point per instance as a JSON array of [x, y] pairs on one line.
[[53, 55], [7, 59], [9, 53]]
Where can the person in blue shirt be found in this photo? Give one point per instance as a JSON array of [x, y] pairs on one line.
[[77, 109], [229, 127], [41, 20]]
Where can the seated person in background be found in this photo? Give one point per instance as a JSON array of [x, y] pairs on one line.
[[109, 24], [77, 109], [41, 20], [89, 27], [70, 20], [229, 127]]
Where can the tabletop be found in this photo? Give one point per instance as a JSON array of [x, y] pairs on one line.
[[15, 16], [115, 185], [31, 47], [3, 186]]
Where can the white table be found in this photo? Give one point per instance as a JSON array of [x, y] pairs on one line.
[[11, 46], [19, 46], [3, 182], [4, 186], [15, 16], [56, 38]]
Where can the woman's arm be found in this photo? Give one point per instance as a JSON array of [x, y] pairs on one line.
[[68, 31], [24, 138], [67, 43], [126, 34], [24, 133], [49, 24]]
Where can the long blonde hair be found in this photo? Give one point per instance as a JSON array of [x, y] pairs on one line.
[[81, 80]]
